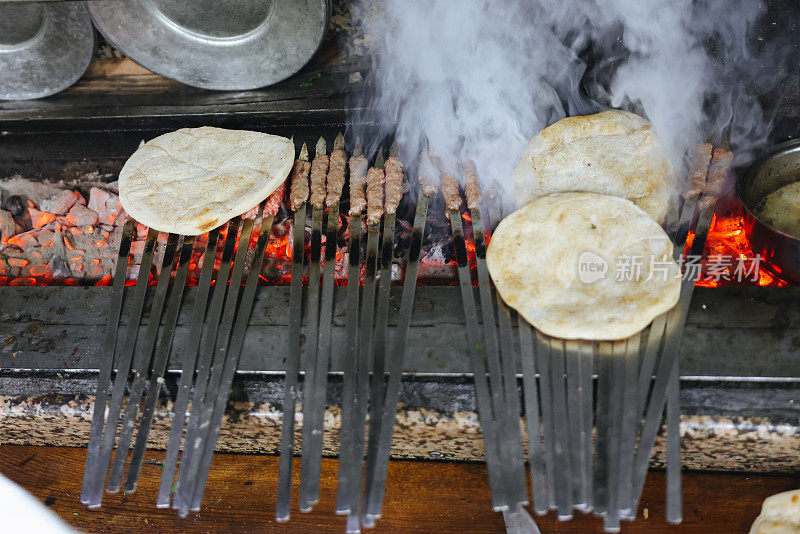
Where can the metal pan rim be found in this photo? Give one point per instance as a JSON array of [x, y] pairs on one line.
[[243, 62], [745, 177], [52, 60]]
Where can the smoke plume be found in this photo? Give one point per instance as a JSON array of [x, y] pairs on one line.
[[478, 78]]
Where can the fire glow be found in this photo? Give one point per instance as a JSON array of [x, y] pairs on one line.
[[26, 253], [727, 238]]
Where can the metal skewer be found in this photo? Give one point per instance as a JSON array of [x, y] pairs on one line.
[[576, 406], [377, 394], [611, 522], [313, 406], [94, 487], [504, 390], [586, 354], [630, 419], [141, 366], [232, 356], [528, 357], [712, 176], [187, 373], [674, 501], [516, 465], [508, 419], [376, 478], [365, 348], [316, 418], [159, 366], [208, 383], [668, 364], [548, 419], [205, 355], [602, 474], [562, 457], [381, 323], [299, 181], [347, 455], [482, 395], [489, 413], [107, 363]]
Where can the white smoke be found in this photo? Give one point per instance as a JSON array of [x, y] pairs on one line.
[[479, 78]]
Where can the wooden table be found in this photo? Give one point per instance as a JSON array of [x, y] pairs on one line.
[[422, 497]]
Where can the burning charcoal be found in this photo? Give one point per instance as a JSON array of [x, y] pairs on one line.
[[25, 239], [59, 204], [58, 268], [17, 262], [137, 247], [133, 272], [7, 225], [37, 269], [113, 187], [76, 265], [3, 266], [59, 245], [15, 205], [40, 218], [12, 250], [46, 238], [106, 205], [121, 218], [81, 216]]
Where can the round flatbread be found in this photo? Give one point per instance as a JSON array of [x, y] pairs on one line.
[[613, 152], [584, 266], [780, 514], [195, 179]]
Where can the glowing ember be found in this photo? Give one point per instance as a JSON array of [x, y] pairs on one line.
[[49, 248], [727, 240]]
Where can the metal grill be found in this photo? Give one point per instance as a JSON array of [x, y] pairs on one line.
[[580, 458]]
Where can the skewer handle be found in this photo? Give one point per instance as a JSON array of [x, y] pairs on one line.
[[674, 500]]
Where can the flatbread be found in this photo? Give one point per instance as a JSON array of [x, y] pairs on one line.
[[556, 261], [613, 152], [196, 179], [780, 514], [781, 209]]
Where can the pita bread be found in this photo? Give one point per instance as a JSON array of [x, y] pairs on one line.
[[195, 179], [780, 514], [613, 152], [556, 261]]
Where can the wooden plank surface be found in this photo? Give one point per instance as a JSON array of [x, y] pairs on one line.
[[422, 497]]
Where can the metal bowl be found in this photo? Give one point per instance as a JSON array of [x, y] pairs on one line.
[[216, 44], [44, 48], [774, 168]]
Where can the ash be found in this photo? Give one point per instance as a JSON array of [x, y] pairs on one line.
[[58, 236]]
